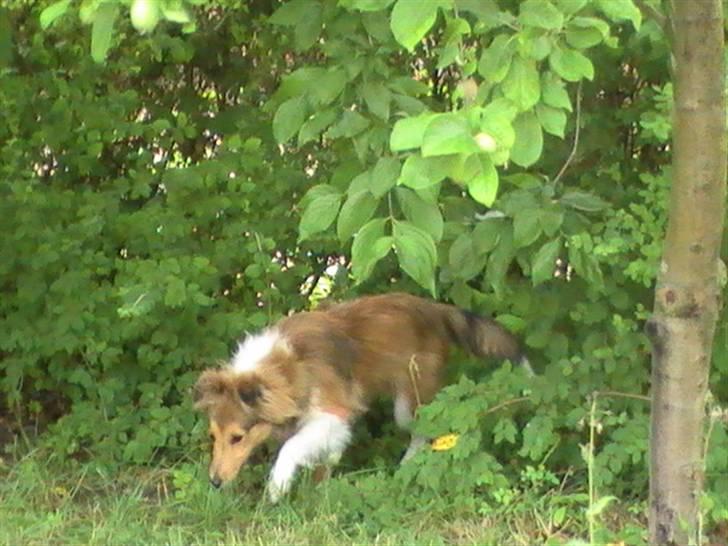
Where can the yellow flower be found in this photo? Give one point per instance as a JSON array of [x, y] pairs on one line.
[[60, 491], [443, 443]]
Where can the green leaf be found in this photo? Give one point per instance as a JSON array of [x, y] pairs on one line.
[[500, 260], [544, 262], [408, 86], [448, 134], [553, 120], [317, 191], [377, 98], [540, 14], [570, 7], [421, 172], [526, 181], [538, 48], [486, 235], [361, 182], [319, 214], [288, 119], [411, 20], [356, 211], [451, 41], [554, 92], [590, 23], [376, 23], [175, 295], [529, 140], [486, 12], [583, 38], [326, 87], [464, 167], [496, 58], [497, 121], [302, 81], [408, 132], [600, 505], [370, 245], [448, 54], [505, 430], [421, 213], [483, 187], [463, 259], [621, 10], [364, 5], [291, 13], [176, 12], [431, 194], [584, 201], [526, 227], [417, 254], [522, 84], [551, 219], [160, 125], [315, 125], [571, 64], [53, 12], [102, 30], [308, 29], [384, 175], [350, 124], [559, 515]]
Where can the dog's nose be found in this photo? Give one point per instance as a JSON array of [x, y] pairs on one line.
[[216, 482]]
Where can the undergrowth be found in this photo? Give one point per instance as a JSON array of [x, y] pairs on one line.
[[44, 500], [500, 479]]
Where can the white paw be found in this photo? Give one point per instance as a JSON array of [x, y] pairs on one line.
[[276, 492], [416, 444], [280, 481]]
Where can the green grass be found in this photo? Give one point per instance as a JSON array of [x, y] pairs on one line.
[[44, 500]]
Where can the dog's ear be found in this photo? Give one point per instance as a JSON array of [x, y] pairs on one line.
[[249, 389], [212, 384], [250, 394]]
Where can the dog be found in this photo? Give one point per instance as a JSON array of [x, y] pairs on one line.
[[307, 378]]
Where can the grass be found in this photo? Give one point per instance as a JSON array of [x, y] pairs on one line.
[[46, 500]]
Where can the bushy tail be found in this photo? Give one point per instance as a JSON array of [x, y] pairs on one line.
[[482, 336]]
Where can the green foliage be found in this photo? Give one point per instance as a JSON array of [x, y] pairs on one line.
[[523, 66], [201, 181], [140, 244]]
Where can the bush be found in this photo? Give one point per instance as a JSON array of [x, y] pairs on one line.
[[157, 206]]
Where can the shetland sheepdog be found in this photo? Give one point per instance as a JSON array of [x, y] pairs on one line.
[[308, 377]]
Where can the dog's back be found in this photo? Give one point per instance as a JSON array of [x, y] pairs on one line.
[[395, 340]]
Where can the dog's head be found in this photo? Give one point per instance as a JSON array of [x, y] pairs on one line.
[[243, 409]]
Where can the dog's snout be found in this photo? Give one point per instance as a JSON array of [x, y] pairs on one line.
[[216, 482]]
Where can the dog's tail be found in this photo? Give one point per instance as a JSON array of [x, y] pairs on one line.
[[483, 337]]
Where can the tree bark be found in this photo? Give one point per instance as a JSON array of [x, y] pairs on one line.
[[687, 296]]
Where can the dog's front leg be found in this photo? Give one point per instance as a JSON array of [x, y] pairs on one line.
[[322, 436]]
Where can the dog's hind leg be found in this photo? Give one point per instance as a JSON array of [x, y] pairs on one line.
[[423, 382], [322, 438], [403, 416]]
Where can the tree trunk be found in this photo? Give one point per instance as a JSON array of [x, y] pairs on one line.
[[687, 296]]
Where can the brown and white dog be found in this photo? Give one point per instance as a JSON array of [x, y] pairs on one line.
[[307, 378]]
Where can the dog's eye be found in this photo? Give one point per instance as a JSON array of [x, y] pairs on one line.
[[235, 438]]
